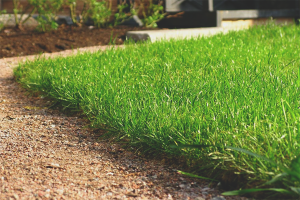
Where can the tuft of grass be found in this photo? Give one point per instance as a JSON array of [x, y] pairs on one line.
[[240, 89], [288, 180]]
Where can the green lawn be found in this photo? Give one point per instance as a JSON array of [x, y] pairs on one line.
[[240, 89]]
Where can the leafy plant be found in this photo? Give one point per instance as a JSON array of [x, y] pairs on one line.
[[121, 16], [100, 12], [72, 4], [46, 10], [83, 16], [151, 14], [18, 9]]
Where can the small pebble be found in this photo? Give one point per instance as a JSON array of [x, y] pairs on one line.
[[154, 176], [205, 189], [109, 194], [41, 194], [60, 191], [218, 198], [16, 197], [199, 198]]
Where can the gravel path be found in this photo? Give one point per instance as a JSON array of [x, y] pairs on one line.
[[45, 154]]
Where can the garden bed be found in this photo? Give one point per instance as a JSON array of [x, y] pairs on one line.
[[28, 42]]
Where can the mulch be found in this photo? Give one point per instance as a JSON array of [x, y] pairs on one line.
[[14, 42]]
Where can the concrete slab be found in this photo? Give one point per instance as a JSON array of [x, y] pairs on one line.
[[154, 35]]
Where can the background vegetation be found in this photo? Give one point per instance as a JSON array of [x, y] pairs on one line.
[[98, 12]]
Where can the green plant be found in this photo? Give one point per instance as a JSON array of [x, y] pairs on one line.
[[99, 12], [2, 23], [121, 16], [72, 4], [18, 9], [46, 10], [151, 14], [79, 19], [83, 16]]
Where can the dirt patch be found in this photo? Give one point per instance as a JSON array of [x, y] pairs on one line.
[[19, 43]]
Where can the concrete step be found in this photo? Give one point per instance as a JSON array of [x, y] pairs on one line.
[[154, 35]]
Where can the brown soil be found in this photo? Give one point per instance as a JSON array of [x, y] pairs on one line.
[[28, 42]]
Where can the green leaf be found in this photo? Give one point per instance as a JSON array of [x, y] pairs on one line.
[[195, 176], [276, 178], [296, 190], [257, 156], [15, 11], [198, 146], [241, 192]]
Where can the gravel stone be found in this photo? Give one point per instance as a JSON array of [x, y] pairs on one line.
[[218, 198]]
